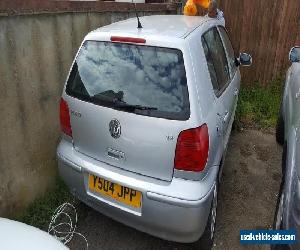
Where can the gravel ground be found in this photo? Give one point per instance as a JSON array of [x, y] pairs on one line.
[[247, 200]]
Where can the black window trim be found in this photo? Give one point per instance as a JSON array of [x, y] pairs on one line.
[[215, 90], [222, 27]]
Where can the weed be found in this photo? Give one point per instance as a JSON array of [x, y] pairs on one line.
[[39, 213], [258, 105]]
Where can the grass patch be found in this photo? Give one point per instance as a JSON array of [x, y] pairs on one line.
[[258, 105], [39, 213]]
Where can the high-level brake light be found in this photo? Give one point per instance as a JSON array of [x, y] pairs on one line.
[[127, 39]]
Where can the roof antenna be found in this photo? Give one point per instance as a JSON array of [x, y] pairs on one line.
[[139, 23]]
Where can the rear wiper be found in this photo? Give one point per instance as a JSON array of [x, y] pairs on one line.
[[118, 103], [123, 105]]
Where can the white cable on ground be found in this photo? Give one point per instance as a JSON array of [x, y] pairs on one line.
[[61, 225]]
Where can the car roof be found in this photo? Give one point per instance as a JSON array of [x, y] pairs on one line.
[[173, 26]]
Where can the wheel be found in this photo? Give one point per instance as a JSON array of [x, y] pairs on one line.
[[277, 225], [283, 161], [280, 128], [207, 239], [237, 124], [278, 217]]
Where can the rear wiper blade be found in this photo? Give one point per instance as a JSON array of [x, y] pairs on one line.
[[124, 105], [144, 107], [117, 103]]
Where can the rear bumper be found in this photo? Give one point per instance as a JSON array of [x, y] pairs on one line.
[[176, 210]]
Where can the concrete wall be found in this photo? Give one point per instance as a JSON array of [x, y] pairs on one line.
[[36, 51]]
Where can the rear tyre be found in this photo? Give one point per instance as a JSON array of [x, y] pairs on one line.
[[283, 162], [207, 239], [280, 128], [277, 225], [278, 217]]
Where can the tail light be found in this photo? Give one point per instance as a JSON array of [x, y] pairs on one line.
[[192, 149], [64, 115]]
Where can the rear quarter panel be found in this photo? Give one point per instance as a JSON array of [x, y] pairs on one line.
[[205, 92]]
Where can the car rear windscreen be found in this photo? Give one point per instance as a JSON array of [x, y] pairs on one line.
[[140, 79]]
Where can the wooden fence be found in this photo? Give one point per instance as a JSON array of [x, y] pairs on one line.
[[267, 29]]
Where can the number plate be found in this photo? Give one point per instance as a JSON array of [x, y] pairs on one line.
[[122, 194]]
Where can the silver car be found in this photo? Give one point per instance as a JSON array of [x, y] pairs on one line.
[[146, 114], [287, 134]]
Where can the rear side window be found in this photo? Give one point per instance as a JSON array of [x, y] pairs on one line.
[[216, 55], [210, 65], [134, 78]]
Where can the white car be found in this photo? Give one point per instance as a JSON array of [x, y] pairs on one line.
[[19, 236]]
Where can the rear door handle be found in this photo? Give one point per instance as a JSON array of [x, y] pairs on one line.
[[298, 94], [236, 92], [226, 116]]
